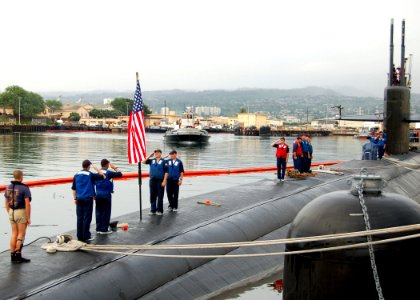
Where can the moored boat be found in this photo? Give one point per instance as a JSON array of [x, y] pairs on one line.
[[189, 131]]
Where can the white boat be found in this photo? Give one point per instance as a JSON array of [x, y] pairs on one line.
[[189, 131]]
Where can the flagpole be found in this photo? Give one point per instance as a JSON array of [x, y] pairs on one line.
[[139, 171], [141, 209]]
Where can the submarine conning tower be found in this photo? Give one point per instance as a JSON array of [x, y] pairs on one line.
[[397, 101], [348, 274]]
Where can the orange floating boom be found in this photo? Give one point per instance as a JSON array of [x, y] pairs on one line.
[[191, 173]]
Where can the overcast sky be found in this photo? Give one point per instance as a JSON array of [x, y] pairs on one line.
[[191, 44]]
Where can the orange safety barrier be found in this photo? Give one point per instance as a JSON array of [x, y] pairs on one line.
[[191, 173]]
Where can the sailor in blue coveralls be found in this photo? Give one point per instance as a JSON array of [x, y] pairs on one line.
[[158, 176], [381, 144], [306, 154], [83, 193], [369, 150], [175, 175], [104, 190]]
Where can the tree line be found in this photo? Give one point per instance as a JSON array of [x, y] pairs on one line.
[[29, 104]]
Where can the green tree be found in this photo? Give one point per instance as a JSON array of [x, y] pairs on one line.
[[96, 113], [146, 110], [3, 102], [10, 95], [122, 104], [74, 116], [242, 110], [26, 103], [33, 105], [125, 105], [54, 105]]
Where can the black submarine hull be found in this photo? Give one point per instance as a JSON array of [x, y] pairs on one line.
[[263, 211]]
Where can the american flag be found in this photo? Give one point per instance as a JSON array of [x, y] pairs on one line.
[[136, 134]]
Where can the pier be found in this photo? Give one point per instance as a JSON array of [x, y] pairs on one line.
[[252, 131], [49, 128]]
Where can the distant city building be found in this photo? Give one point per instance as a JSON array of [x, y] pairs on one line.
[[225, 121], [291, 119], [164, 110], [208, 110], [252, 119], [66, 110], [274, 123], [108, 101]]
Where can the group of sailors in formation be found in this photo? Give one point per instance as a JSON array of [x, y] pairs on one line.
[[302, 153], [88, 186], [163, 173]]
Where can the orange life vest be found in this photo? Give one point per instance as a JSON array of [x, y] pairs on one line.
[[282, 151]]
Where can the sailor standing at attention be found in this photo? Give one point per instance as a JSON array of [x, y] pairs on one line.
[[297, 154], [158, 177], [311, 150], [18, 207], [282, 155], [175, 176], [104, 190], [306, 155], [83, 193]]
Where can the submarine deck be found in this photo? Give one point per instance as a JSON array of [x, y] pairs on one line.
[[53, 275]]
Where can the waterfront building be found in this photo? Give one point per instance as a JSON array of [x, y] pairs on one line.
[[252, 119], [208, 110], [161, 119], [224, 121], [164, 110], [274, 123], [291, 119]]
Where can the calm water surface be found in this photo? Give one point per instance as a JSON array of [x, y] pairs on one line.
[[51, 155]]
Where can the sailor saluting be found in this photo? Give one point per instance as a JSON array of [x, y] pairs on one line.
[[158, 177]]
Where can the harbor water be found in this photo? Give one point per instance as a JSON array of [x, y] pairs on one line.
[[53, 155]]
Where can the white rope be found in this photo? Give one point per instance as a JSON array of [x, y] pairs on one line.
[[357, 245], [388, 230], [403, 164]]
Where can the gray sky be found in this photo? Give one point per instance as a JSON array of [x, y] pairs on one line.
[[78, 45]]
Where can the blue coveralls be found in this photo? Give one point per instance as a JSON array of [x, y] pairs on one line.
[[311, 150], [172, 188], [157, 174], [83, 185], [375, 143], [381, 147], [369, 151], [104, 190], [305, 157]]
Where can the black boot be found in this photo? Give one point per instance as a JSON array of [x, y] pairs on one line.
[[21, 259], [13, 256]]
